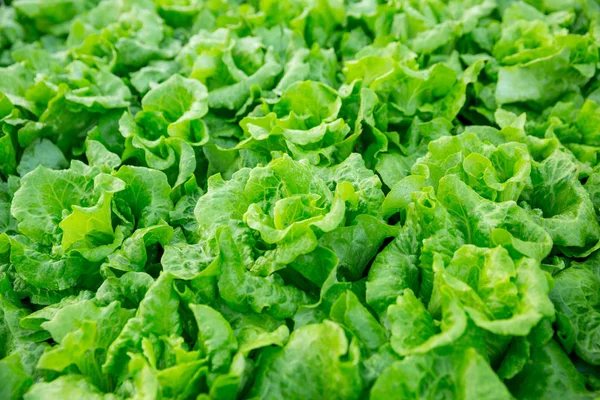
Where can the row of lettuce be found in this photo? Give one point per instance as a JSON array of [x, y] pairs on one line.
[[285, 199]]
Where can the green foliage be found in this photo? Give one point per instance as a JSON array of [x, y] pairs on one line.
[[299, 199]]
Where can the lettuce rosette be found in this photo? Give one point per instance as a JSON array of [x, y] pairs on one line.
[[164, 135], [483, 214], [328, 206], [234, 69], [122, 35], [48, 104]]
